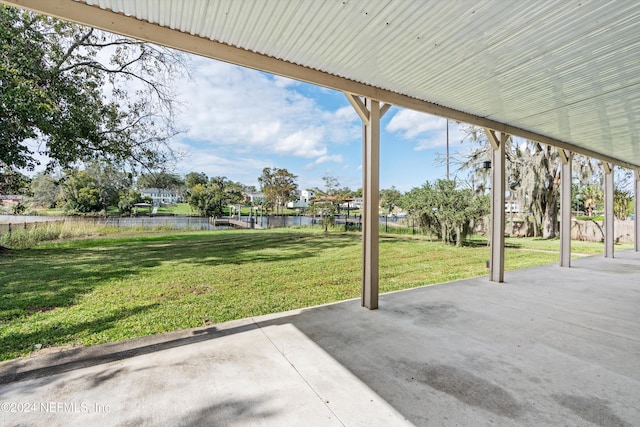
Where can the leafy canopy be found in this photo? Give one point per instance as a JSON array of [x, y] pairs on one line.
[[210, 199], [69, 93], [278, 185], [445, 210]]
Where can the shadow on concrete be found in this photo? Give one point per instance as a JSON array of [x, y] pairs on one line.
[[227, 412], [552, 346], [81, 357]]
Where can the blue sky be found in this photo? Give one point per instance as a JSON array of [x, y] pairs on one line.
[[239, 121]]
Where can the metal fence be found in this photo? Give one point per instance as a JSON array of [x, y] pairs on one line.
[[14, 224], [8, 228]]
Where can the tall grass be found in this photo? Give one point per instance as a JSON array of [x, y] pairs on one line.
[[22, 237], [394, 229]]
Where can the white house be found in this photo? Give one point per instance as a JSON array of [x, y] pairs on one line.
[[352, 203], [304, 200], [160, 196], [254, 198]]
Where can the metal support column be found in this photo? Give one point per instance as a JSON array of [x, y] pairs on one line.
[[565, 208], [370, 111], [608, 210], [496, 261], [636, 211]]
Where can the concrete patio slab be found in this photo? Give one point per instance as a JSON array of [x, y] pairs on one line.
[[550, 346]]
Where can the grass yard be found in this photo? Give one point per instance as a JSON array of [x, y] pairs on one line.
[[94, 291]]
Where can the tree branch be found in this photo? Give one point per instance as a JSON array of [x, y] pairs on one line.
[[75, 45]]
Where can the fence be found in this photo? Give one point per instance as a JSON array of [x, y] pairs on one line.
[[9, 228], [594, 230], [173, 223]]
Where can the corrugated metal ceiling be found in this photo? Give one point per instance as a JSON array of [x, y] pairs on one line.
[[565, 69]]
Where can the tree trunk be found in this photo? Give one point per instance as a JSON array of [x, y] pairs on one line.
[[458, 235], [536, 227], [511, 212], [550, 220]]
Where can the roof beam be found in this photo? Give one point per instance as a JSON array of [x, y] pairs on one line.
[[493, 138], [384, 109], [77, 11], [359, 106], [565, 155]]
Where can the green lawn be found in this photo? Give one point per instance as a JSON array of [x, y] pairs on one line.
[[112, 288], [177, 209]]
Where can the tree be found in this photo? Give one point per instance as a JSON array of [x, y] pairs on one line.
[[623, 193], [81, 192], [249, 189], [444, 209], [533, 176], [191, 180], [593, 198], [13, 182], [110, 181], [389, 198], [622, 201], [331, 184], [128, 200], [45, 190], [326, 203], [82, 94], [160, 179], [279, 186], [194, 178], [94, 188], [210, 199]]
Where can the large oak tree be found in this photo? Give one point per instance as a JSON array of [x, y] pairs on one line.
[[70, 93]]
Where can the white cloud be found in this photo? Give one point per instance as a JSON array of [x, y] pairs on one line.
[[284, 81], [346, 113], [303, 143], [245, 169], [252, 112], [413, 123], [336, 158], [426, 130], [439, 140], [261, 132], [240, 121]]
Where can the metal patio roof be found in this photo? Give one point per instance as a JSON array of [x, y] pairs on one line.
[[557, 71]]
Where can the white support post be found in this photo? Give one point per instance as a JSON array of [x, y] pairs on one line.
[[636, 211], [370, 112], [496, 261], [565, 208], [608, 210], [371, 196]]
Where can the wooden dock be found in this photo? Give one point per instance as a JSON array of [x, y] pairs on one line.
[[233, 223]]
